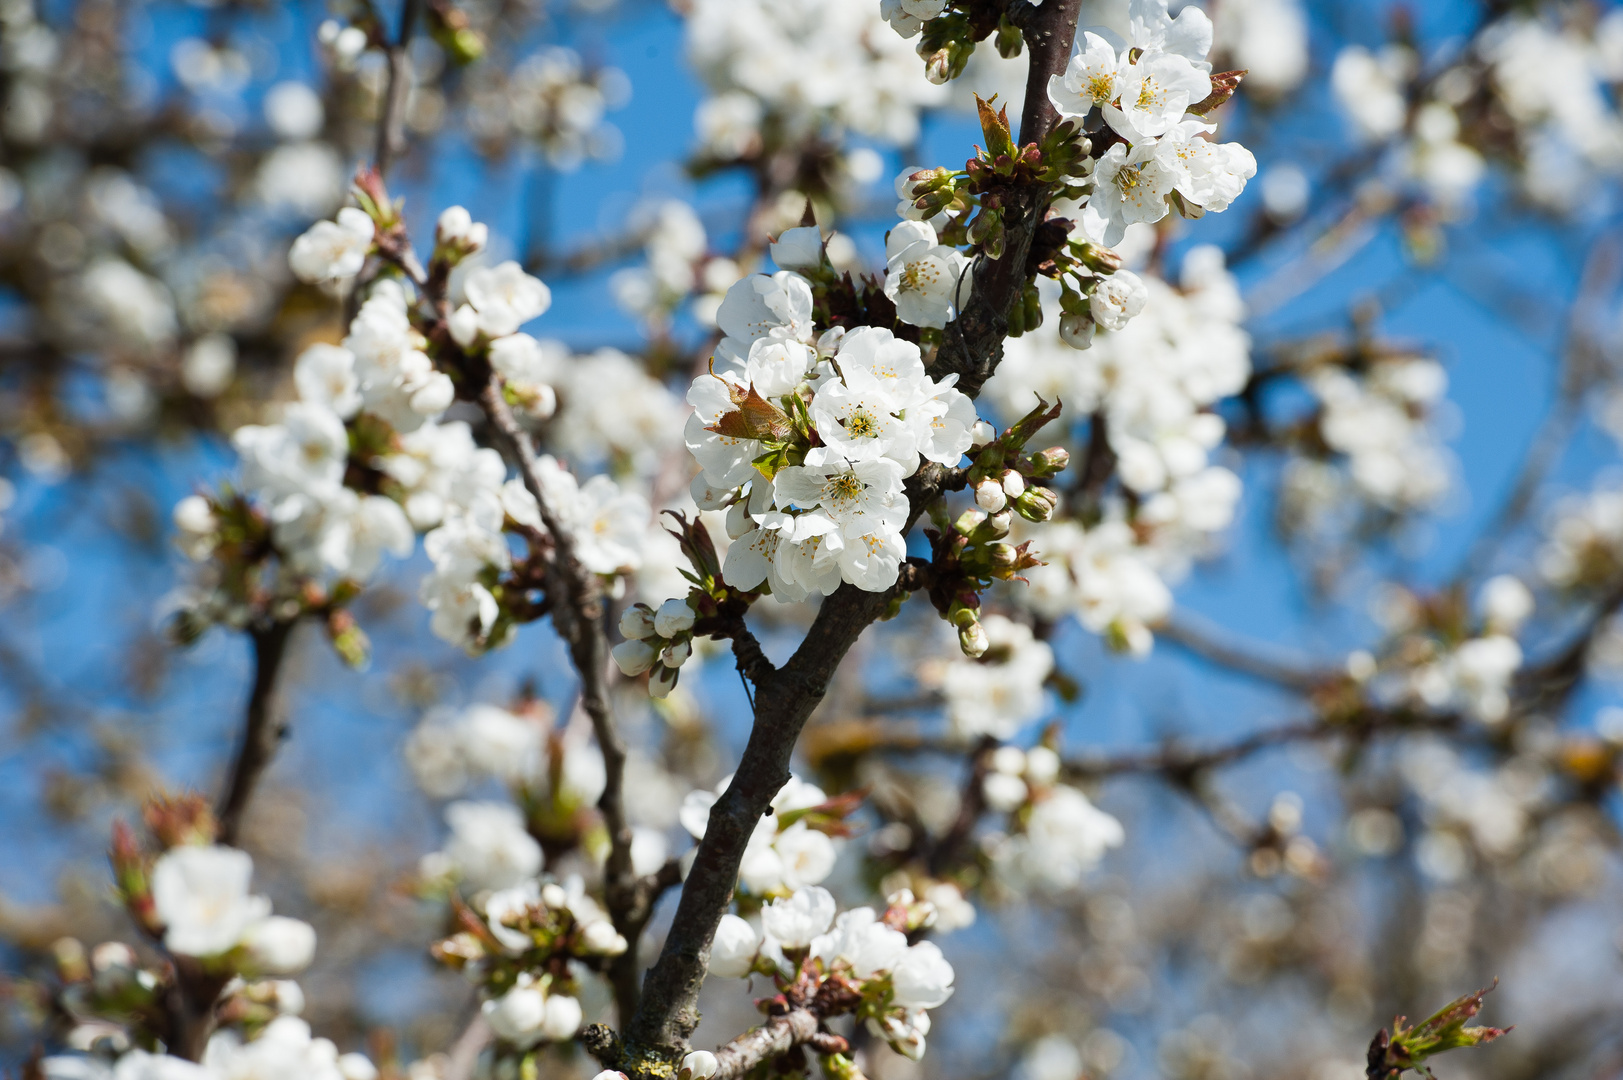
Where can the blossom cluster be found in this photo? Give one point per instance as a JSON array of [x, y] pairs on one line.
[[1378, 419], [798, 64], [1532, 90], [1443, 659], [1148, 88], [801, 940], [809, 441], [194, 899], [530, 948], [1153, 383], [364, 459], [660, 641]]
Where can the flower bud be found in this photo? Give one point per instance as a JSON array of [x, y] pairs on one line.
[[699, 1065], [989, 496], [457, 235], [1042, 765], [193, 515], [1037, 504], [554, 896], [634, 657], [1076, 330], [1100, 259], [637, 622], [676, 653], [673, 617], [938, 67], [562, 1018], [1003, 559], [463, 323], [601, 938], [280, 945], [1003, 792], [829, 343], [662, 682], [981, 434], [1013, 483], [972, 639], [1050, 461], [996, 527]]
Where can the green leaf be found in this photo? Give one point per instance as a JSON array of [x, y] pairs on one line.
[[995, 126]]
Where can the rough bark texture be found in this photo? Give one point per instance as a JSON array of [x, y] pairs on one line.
[[776, 1036], [784, 698], [263, 729], [972, 345]]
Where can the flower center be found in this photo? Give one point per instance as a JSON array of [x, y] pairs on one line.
[[861, 424], [1149, 94], [843, 488], [1099, 87]]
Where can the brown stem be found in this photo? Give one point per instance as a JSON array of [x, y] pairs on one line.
[[1218, 644], [263, 729], [577, 615], [777, 1036], [785, 698], [1180, 763], [392, 124]]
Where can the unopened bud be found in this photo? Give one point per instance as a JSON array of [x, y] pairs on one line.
[[1053, 460], [1013, 483], [673, 617], [637, 622], [663, 681], [981, 434], [1037, 504], [1076, 331], [601, 938], [634, 657], [676, 654], [457, 235], [1100, 259], [554, 896], [989, 496], [1003, 559], [938, 67], [995, 527], [972, 640], [463, 324], [699, 1065]]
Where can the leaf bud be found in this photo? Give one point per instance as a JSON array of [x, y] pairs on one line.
[[1036, 504], [1050, 461]]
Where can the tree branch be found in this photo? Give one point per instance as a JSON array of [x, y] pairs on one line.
[[392, 122], [1180, 764], [263, 728], [777, 1036], [1217, 644], [577, 615], [972, 347]]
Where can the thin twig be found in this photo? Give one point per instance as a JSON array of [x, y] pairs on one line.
[[777, 1036], [1218, 644], [392, 123], [263, 728], [577, 615]]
